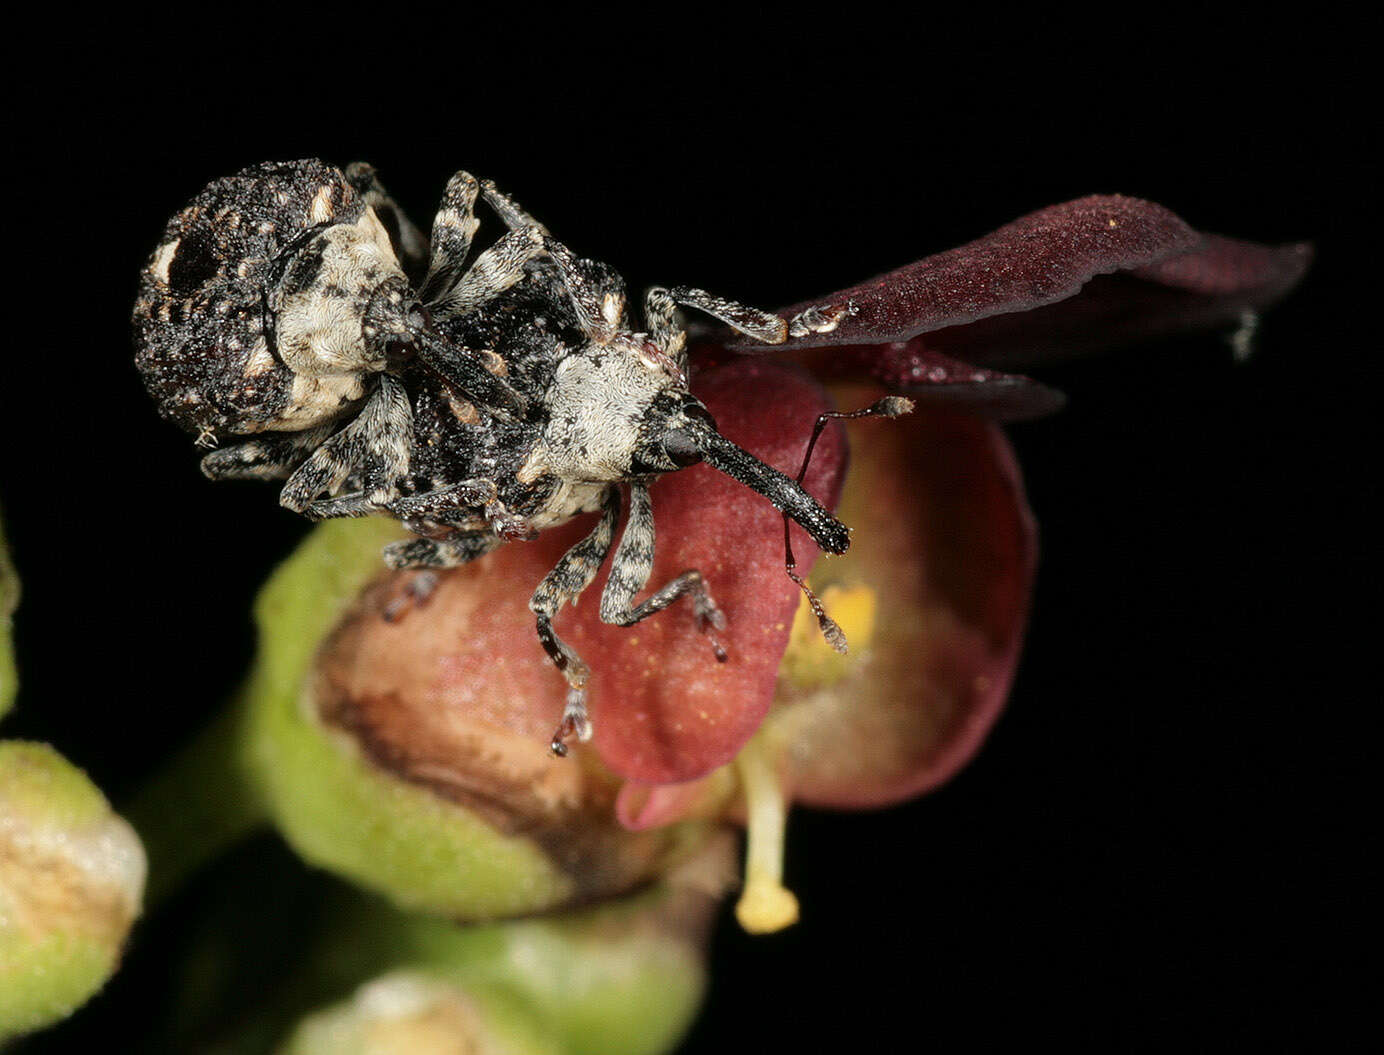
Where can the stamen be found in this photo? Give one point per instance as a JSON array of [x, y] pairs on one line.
[[888, 407], [765, 904]]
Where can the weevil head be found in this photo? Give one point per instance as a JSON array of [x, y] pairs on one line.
[[679, 431]]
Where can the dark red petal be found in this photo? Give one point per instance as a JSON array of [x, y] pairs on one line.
[[1214, 285], [948, 546], [1038, 259], [664, 709], [1082, 276], [937, 380]]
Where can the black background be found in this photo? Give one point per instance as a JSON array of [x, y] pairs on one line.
[[1156, 841]]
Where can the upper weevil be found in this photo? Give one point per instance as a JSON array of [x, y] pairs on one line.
[[495, 400]]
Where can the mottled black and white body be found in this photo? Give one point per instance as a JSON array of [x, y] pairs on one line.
[[609, 411], [276, 313], [529, 394]]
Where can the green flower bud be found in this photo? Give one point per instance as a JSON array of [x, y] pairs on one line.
[[370, 772], [71, 880], [414, 1011], [626, 976]]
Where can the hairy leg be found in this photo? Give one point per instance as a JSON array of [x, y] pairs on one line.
[[629, 573], [564, 584], [409, 243], [268, 457], [453, 228], [374, 445], [493, 272]]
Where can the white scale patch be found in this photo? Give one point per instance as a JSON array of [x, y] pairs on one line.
[[163, 258], [320, 334]]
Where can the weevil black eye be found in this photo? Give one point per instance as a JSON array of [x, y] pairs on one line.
[[682, 448], [693, 409]]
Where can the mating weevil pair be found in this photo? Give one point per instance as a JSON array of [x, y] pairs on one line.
[[295, 310]]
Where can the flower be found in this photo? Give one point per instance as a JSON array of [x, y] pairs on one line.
[[448, 710]]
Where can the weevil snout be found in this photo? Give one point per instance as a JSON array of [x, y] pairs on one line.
[[786, 494]]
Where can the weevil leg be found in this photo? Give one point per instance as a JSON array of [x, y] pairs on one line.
[[761, 325], [452, 230], [375, 444], [507, 209], [596, 290], [426, 556], [450, 552], [410, 244], [820, 318], [462, 501], [564, 584], [268, 457], [416, 593], [661, 319], [629, 573], [493, 272]]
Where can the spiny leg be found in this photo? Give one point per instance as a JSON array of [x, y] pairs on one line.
[[427, 556], [270, 457], [630, 569], [888, 407], [493, 272], [507, 209], [409, 243], [460, 501], [596, 291], [761, 325], [375, 444], [563, 584], [661, 318], [452, 230]]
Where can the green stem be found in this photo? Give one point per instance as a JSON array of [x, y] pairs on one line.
[[200, 804]]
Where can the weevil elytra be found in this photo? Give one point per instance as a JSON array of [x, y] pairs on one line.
[[490, 401]]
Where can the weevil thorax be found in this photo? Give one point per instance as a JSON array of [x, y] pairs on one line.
[[342, 297], [608, 405], [611, 398]]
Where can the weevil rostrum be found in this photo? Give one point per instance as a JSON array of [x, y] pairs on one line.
[[294, 313]]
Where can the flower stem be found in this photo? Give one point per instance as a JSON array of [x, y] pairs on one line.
[[201, 803], [765, 905]]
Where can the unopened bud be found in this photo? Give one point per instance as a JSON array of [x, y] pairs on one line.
[[71, 882]]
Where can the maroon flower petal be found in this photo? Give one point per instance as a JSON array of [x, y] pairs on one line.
[[1214, 285], [936, 380], [1073, 278], [1038, 259]]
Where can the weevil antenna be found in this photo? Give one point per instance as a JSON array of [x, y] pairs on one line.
[[888, 407]]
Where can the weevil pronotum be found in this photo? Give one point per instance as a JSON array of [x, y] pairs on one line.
[[486, 403]]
